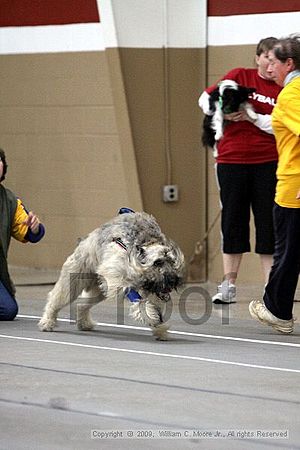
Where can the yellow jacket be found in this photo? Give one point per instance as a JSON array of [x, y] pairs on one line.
[[286, 126]]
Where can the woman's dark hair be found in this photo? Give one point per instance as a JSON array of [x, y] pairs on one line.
[[3, 159], [289, 48], [265, 45]]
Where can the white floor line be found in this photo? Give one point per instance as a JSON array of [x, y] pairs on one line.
[[141, 352], [181, 333]]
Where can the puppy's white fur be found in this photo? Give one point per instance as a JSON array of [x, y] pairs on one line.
[[218, 116]]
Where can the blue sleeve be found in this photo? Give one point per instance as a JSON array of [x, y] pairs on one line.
[[33, 238]]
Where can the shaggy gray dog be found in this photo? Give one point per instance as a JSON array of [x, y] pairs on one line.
[[127, 256]]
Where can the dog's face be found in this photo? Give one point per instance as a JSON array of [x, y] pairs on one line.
[[159, 267], [231, 99]]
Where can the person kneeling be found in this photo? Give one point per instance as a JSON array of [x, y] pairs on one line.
[[15, 222]]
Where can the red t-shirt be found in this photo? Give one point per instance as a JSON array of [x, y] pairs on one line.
[[243, 142]]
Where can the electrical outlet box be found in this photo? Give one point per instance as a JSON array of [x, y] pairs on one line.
[[170, 193]]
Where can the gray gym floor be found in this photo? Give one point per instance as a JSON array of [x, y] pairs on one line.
[[222, 381]]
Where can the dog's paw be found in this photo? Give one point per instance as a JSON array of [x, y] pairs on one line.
[[160, 332], [218, 135], [46, 324], [85, 325], [252, 114], [84, 320]]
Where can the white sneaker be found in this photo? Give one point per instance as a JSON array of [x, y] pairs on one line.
[[259, 312], [226, 293]]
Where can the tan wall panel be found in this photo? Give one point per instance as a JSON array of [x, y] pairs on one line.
[[74, 175], [223, 59], [48, 66], [61, 130], [57, 91], [63, 148], [55, 120], [38, 255], [146, 82], [127, 150]]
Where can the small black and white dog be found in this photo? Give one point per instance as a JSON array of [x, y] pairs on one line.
[[227, 98]]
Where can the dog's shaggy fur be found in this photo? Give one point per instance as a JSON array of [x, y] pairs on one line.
[[227, 98], [128, 253]]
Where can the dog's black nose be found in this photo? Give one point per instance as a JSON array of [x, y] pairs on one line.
[[171, 282], [158, 262]]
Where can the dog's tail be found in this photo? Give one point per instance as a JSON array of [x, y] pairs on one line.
[[208, 134]]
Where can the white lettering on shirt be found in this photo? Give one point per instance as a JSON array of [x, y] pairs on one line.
[[263, 99]]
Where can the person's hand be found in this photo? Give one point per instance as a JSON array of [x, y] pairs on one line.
[[32, 222], [238, 116], [298, 195]]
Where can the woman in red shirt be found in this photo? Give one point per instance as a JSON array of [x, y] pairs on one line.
[[246, 162]]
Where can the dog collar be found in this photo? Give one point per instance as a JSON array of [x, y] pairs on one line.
[[123, 210], [226, 110], [131, 294], [120, 243], [220, 101]]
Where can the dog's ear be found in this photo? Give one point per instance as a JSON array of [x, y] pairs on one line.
[[175, 253], [246, 90], [214, 96]]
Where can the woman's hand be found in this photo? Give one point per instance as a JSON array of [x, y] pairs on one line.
[[238, 116]]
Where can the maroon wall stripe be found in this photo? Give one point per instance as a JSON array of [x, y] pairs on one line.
[[234, 7], [15, 13]]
